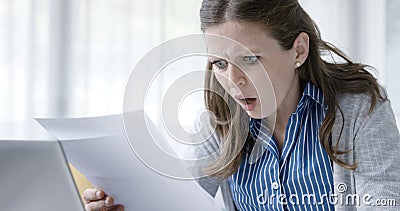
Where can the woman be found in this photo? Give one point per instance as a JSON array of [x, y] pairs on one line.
[[335, 142]]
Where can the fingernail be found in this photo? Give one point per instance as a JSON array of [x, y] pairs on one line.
[[98, 194]]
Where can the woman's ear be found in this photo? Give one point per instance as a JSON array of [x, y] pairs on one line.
[[301, 47]]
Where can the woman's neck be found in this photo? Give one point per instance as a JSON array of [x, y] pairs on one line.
[[288, 105], [285, 110]]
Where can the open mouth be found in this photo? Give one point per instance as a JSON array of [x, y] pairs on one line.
[[248, 103], [248, 100]]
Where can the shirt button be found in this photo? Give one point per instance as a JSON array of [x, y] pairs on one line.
[[275, 185]]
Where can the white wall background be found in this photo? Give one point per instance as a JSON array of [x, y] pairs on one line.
[[392, 69], [73, 57], [62, 58]]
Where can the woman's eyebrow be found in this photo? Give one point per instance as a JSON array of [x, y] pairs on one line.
[[212, 58], [249, 52], [254, 51]]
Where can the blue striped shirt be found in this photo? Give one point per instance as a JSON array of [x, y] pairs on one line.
[[299, 178]]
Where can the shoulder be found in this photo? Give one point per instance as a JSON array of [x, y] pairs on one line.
[[370, 134], [357, 113], [359, 104], [355, 121], [356, 106]]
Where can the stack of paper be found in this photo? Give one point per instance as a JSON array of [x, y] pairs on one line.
[[98, 147]]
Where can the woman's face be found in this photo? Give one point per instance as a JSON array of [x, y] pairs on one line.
[[254, 70]]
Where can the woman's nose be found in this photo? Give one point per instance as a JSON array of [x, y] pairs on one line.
[[235, 76]]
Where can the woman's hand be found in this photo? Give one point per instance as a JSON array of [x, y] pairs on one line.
[[98, 200]]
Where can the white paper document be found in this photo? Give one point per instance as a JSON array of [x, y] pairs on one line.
[[98, 147]]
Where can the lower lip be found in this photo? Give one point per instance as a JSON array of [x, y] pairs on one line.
[[249, 107]]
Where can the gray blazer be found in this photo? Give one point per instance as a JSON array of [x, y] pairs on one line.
[[375, 143]]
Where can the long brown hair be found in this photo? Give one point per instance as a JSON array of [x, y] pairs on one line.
[[285, 20]]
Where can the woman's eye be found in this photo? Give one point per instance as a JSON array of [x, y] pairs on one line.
[[251, 59], [220, 64]]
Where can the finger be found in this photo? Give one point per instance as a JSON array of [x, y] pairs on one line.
[[118, 207], [109, 201], [93, 195], [104, 205], [96, 206]]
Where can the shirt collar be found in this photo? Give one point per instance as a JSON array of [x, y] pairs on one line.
[[312, 91]]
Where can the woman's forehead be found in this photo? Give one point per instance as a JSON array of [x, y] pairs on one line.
[[240, 28], [237, 38]]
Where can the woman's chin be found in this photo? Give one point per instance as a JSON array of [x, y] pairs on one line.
[[258, 114]]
